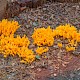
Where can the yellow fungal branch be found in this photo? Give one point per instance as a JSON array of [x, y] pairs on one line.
[[60, 45], [41, 50], [43, 36], [14, 46], [8, 27]]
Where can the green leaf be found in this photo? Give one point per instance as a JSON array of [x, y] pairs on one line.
[[35, 24], [37, 57]]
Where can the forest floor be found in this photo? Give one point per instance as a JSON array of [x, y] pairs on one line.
[[51, 68]]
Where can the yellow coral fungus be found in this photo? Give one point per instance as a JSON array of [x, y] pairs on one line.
[[78, 37], [66, 31], [72, 42], [8, 27], [14, 46], [10, 45], [70, 48], [42, 36], [41, 50], [17, 46], [60, 45], [26, 54]]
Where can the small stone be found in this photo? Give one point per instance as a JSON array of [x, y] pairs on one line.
[[55, 74], [55, 46], [39, 69], [27, 26], [13, 64], [44, 9], [32, 67]]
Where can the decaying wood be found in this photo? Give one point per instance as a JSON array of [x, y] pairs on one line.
[[3, 4], [14, 7]]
